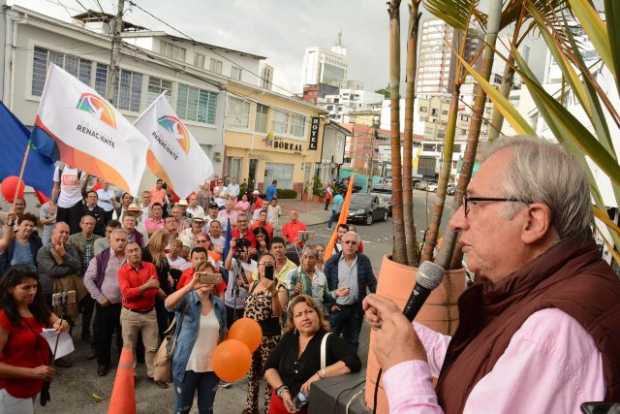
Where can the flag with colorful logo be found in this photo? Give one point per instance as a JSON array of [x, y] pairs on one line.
[[175, 155], [88, 132]]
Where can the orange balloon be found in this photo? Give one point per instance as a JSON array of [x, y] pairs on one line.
[[231, 360], [248, 331]]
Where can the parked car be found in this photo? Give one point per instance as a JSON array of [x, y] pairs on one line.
[[420, 185], [367, 208], [383, 186], [451, 190], [386, 200], [432, 187]]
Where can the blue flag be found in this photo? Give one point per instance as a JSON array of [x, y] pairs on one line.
[[14, 137], [227, 239]]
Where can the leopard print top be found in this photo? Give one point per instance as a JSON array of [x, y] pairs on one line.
[[258, 306]]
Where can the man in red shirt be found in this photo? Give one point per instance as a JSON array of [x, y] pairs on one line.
[[199, 256], [291, 230], [261, 222], [139, 287], [242, 230]]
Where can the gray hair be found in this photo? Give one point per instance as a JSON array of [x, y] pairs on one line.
[[541, 171], [308, 251], [119, 230], [357, 236]]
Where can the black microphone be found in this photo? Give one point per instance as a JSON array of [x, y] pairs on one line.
[[429, 276]]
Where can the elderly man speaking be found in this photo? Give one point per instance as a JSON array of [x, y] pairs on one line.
[[539, 328]]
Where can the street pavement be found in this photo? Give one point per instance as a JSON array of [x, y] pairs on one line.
[[79, 390]]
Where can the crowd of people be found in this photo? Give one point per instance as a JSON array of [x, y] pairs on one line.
[[121, 270]]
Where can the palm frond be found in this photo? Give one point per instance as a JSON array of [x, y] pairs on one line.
[[612, 16], [456, 13]]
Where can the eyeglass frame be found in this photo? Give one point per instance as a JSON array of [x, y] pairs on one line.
[[467, 199]]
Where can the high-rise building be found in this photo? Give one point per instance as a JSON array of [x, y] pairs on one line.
[[325, 66], [436, 61]]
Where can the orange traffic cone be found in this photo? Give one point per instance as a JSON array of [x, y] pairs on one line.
[[123, 399]]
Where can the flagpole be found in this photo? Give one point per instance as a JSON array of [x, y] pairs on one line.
[[22, 168]]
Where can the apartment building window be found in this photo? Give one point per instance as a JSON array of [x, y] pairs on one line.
[[457, 148], [101, 78], [280, 122], [428, 147], [261, 118], [156, 87], [238, 114], [235, 72], [172, 51], [78, 67], [215, 66], [196, 104], [199, 60], [129, 91], [297, 125]]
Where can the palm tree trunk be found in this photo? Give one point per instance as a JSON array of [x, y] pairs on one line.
[[446, 253], [438, 206], [399, 253], [497, 119], [412, 46], [444, 175]]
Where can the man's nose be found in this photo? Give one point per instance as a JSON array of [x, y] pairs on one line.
[[458, 220]]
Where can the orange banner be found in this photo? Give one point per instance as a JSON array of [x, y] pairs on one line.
[[344, 213]]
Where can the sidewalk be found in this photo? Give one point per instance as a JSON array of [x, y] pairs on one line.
[[310, 212]]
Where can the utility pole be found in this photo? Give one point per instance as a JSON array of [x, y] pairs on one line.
[[117, 28]]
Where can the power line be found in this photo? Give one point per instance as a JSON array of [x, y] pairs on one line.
[[81, 5], [133, 3], [64, 7], [101, 8]]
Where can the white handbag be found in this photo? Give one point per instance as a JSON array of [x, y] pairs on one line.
[[324, 350]]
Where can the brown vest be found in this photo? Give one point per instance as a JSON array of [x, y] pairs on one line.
[[570, 277]]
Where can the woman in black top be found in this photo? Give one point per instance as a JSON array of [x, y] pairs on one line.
[[296, 362]]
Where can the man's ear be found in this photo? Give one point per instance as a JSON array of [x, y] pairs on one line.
[[537, 224]]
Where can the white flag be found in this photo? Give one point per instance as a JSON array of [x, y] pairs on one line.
[[175, 155], [90, 134]]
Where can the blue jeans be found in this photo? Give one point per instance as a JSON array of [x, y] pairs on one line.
[[205, 383], [333, 218], [347, 322]]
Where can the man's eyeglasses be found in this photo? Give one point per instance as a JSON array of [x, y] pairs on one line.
[[349, 242], [468, 201]]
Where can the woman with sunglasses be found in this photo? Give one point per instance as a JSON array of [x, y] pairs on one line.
[[24, 354], [201, 325]]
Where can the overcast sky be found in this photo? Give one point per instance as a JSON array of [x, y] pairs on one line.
[[278, 29]]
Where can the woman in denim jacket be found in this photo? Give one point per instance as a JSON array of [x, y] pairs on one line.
[[201, 325]]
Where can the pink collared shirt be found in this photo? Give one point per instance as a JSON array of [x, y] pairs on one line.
[[551, 365]]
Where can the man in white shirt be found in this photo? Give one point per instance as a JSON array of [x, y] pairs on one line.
[[69, 185], [194, 209], [215, 234]]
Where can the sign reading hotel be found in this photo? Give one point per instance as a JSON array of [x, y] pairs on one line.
[[314, 133]]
